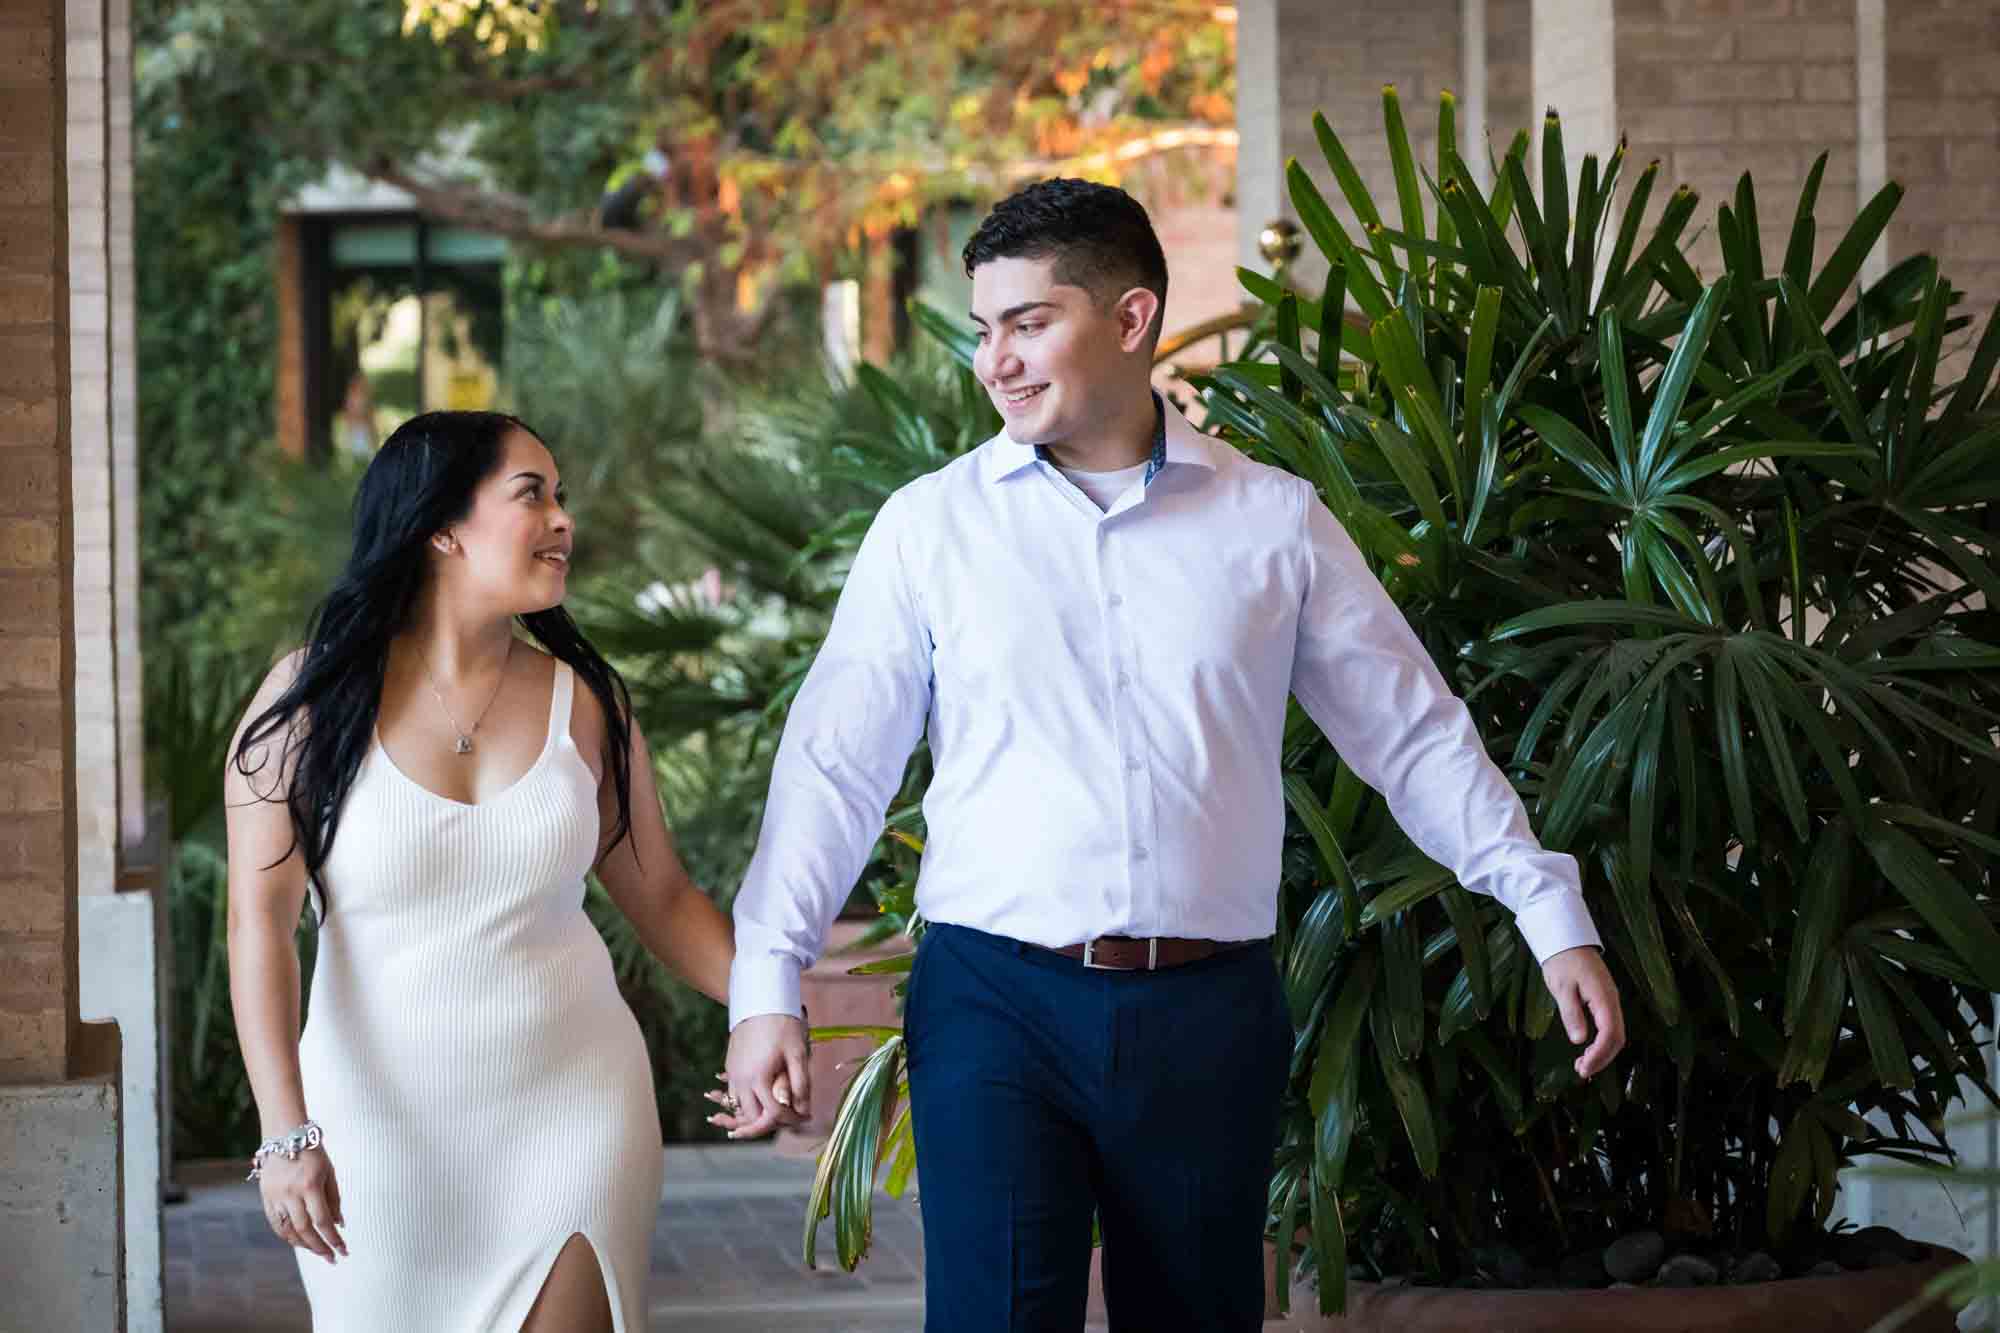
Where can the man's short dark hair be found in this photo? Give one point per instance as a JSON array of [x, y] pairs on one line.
[[1099, 237]]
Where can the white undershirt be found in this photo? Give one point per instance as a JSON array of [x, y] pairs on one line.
[[1105, 488]]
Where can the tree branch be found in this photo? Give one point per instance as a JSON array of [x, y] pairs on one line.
[[504, 216]]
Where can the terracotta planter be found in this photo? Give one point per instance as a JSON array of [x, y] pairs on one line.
[[1843, 1303], [1847, 1303]]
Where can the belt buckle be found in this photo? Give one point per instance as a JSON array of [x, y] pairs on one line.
[[1152, 958]]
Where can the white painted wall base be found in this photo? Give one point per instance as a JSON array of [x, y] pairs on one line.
[[118, 981]]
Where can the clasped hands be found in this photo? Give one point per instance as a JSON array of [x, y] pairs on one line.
[[768, 1079]]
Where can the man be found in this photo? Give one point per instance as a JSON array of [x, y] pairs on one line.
[[1101, 614]]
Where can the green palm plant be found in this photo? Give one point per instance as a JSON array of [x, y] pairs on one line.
[[1709, 564], [1684, 559]]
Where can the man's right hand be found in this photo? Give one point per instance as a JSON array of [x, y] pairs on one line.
[[770, 1075]]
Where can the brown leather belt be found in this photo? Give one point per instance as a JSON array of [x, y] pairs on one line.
[[1119, 953]]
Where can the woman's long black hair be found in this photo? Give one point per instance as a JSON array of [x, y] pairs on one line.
[[421, 482]]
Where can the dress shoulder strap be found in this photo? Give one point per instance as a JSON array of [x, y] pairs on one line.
[[559, 703]]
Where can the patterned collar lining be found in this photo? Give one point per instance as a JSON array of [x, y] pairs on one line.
[[1159, 458]]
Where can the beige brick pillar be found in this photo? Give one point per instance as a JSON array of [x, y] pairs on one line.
[[93, 540], [1941, 124], [1711, 88], [61, 1228], [1295, 57], [38, 963], [124, 351]]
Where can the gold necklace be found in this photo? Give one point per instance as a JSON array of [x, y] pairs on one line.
[[464, 744]]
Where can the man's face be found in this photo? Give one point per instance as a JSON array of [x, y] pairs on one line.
[[1049, 355]]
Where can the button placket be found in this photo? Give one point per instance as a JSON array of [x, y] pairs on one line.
[[1128, 733]]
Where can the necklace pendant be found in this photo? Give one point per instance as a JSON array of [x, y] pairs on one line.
[[464, 745]]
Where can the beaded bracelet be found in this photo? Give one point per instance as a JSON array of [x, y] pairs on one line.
[[288, 1146]]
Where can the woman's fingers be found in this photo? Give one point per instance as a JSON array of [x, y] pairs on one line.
[[320, 1214], [733, 1115], [762, 1110], [300, 1232]]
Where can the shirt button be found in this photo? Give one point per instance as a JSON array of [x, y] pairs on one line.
[[1115, 600], [1139, 853], [1123, 680], [1131, 765]]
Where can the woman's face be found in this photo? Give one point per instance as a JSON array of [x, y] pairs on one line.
[[511, 552]]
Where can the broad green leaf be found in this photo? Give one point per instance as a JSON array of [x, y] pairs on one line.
[[1679, 376], [1846, 260], [1402, 992], [1822, 903], [1880, 1024], [1406, 1089], [1939, 896], [1305, 804], [1464, 913]]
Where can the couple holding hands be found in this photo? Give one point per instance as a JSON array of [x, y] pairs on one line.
[[1097, 617]]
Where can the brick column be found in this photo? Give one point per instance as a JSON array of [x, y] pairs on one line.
[[124, 349], [1510, 72], [1942, 128], [88, 151], [1295, 57], [38, 961], [59, 1079]]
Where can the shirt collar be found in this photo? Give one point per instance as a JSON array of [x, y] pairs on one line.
[[1183, 444]]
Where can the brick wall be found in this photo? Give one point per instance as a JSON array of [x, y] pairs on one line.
[[1334, 57], [1714, 88], [1942, 125], [1510, 71], [37, 818]]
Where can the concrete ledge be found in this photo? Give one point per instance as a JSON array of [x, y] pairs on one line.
[[118, 980], [60, 1223]]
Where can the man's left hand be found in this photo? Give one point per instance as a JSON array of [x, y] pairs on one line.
[[1587, 998]]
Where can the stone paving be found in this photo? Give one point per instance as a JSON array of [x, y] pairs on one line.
[[725, 1255]]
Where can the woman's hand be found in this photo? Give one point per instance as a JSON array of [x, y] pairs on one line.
[[735, 1118], [302, 1202]]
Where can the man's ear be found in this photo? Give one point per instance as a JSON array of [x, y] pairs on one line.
[[1136, 311], [443, 542]]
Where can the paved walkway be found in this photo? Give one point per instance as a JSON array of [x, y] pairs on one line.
[[725, 1255]]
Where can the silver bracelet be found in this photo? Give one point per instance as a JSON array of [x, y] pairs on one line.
[[288, 1146]]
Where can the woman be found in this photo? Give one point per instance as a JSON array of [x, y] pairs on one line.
[[440, 787]]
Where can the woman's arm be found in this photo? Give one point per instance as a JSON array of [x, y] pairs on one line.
[[267, 888], [264, 904], [676, 921]]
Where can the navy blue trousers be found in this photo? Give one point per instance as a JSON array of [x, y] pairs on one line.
[[1044, 1092]]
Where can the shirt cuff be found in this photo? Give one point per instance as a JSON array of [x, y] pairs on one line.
[[762, 984], [1558, 922]]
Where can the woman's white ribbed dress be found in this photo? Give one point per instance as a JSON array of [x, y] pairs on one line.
[[484, 1089]]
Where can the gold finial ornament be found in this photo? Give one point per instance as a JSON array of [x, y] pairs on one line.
[[1279, 243]]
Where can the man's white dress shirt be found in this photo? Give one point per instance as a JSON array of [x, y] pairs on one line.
[[1105, 696]]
